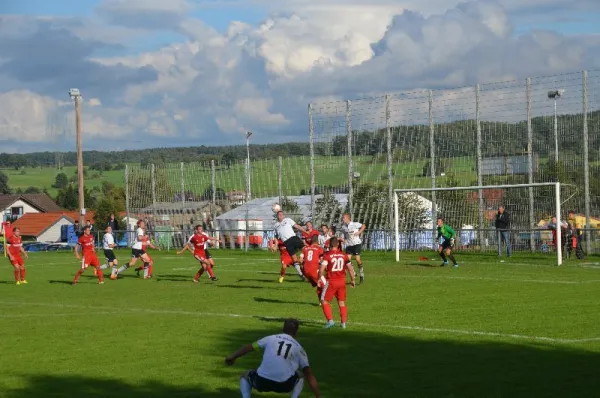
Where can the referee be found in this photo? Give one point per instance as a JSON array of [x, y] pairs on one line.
[[284, 230]]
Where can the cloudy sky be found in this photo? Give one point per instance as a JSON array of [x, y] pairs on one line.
[[201, 72]]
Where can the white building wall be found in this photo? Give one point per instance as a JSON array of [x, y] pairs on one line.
[[27, 208], [52, 234]]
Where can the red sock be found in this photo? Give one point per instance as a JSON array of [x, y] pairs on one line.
[[139, 268], [327, 311], [22, 273], [282, 272], [210, 271], [100, 276], [17, 273], [150, 270], [77, 275], [344, 313], [199, 274]]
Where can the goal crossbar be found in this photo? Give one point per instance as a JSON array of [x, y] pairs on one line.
[[557, 199]]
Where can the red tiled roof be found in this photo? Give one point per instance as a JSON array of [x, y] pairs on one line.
[[33, 224], [74, 215]]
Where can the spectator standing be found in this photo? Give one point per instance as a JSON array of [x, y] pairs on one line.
[[503, 231], [113, 223]]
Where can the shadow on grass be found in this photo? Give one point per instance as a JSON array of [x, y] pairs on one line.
[[89, 387], [354, 364], [275, 301]]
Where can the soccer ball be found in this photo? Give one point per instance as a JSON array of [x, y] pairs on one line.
[[276, 208]]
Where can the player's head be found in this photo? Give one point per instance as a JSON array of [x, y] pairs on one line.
[[86, 230], [314, 240], [333, 229], [324, 228], [333, 243], [501, 209], [16, 232], [440, 221], [554, 219], [280, 216], [198, 228], [346, 218], [309, 226], [88, 222], [108, 229], [141, 224], [112, 216], [571, 213], [291, 326]]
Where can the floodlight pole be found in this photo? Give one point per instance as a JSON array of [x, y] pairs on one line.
[[555, 95], [249, 193], [76, 96]]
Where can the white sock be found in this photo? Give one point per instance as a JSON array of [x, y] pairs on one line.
[[114, 270], [245, 388], [298, 388], [297, 266], [146, 270], [361, 271], [104, 266]]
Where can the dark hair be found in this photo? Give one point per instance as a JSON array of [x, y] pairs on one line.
[[280, 211], [333, 229], [571, 212], [291, 326], [333, 242], [315, 239], [86, 227], [441, 218], [324, 225], [197, 226]]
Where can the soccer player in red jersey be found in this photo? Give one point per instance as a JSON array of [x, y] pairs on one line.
[[309, 232], [284, 257], [15, 248], [336, 263], [88, 249], [149, 263], [198, 243], [312, 256]]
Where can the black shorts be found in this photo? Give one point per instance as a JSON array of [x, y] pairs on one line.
[[354, 250], [207, 254], [265, 385], [110, 255], [293, 245], [446, 244], [136, 253]]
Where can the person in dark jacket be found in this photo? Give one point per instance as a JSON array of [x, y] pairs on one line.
[[503, 230], [113, 223]]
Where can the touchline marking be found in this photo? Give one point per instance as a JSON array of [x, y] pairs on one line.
[[56, 315], [363, 324]]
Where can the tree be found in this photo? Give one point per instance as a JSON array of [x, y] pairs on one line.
[[67, 198], [228, 158], [33, 190], [4, 188], [106, 207], [327, 209], [458, 208], [61, 181]]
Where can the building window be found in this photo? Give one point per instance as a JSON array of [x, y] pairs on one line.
[[16, 212]]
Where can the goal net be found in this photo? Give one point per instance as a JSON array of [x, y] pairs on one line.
[[471, 212]]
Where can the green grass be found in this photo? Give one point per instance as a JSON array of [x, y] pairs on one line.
[[413, 329], [45, 177]]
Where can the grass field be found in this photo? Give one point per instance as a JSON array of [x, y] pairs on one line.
[[488, 329]]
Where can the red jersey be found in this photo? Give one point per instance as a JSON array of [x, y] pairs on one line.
[[199, 242], [284, 256], [15, 243], [336, 264], [307, 236], [312, 257], [7, 230], [327, 245], [87, 244], [145, 243]]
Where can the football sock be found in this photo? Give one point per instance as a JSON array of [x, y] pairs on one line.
[[245, 388], [100, 276], [77, 275], [23, 273], [451, 257], [146, 269], [141, 267], [114, 270], [282, 272], [361, 270], [199, 274], [298, 388], [344, 313], [443, 256], [104, 266], [297, 266], [123, 268], [17, 275], [210, 271], [150, 270], [327, 311]]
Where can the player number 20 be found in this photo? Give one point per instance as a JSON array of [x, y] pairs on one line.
[[287, 349], [338, 264]]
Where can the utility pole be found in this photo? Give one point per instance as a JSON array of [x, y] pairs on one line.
[[76, 96]]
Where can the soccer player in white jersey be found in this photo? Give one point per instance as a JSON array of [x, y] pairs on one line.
[[352, 232], [284, 230], [108, 244], [137, 250], [283, 357]]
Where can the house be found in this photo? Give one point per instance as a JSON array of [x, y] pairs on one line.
[[15, 206], [44, 227]]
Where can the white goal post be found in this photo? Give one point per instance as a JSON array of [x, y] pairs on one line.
[[402, 193]]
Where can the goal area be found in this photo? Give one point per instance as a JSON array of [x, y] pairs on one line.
[[471, 211]]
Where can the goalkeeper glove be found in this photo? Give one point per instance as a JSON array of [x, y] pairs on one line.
[[452, 242]]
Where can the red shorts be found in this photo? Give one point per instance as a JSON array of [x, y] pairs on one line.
[[200, 256], [17, 260], [335, 288], [90, 260], [313, 278], [286, 260], [149, 258]]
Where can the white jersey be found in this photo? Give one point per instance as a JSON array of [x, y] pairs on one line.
[[107, 241], [348, 230], [322, 240], [285, 229], [283, 356], [138, 243]]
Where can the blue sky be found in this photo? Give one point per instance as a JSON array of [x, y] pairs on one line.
[[166, 73]]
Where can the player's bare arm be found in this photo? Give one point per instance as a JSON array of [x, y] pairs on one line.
[[24, 252], [185, 247], [312, 381], [322, 269], [361, 230], [300, 228], [230, 360], [77, 256]]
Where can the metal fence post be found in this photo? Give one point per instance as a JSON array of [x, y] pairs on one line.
[[127, 203], [213, 207], [182, 193], [388, 139], [432, 166], [247, 204], [311, 143], [350, 167], [530, 166], [480, 232], [586, 165], [280, 178], [153, 177]]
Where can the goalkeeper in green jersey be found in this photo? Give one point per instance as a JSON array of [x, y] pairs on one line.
[[448, 234]]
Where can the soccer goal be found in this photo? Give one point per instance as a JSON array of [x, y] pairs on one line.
[[471, 211]]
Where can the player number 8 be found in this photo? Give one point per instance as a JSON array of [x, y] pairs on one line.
[[310, 256]]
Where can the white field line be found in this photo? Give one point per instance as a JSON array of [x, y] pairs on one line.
[[42, 315], [363, 324]]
